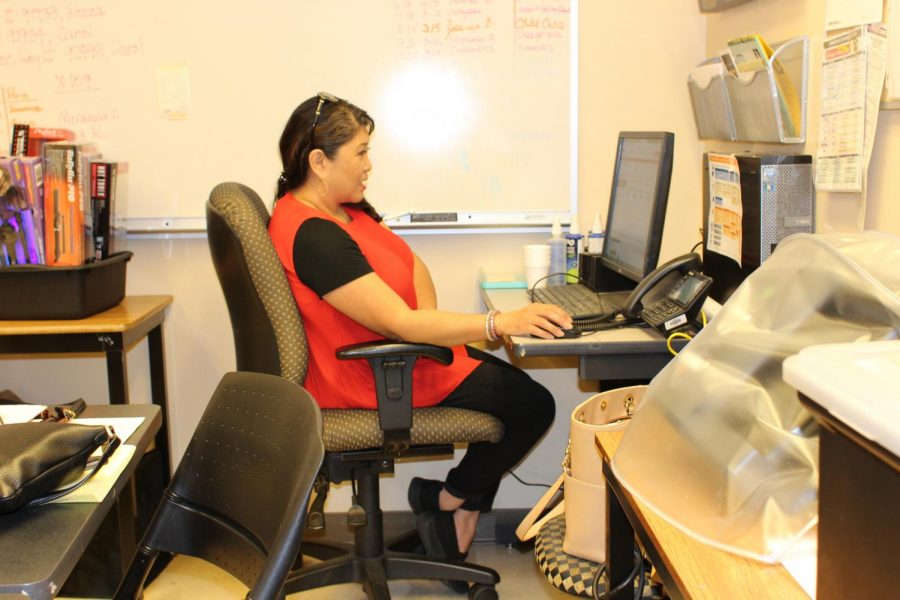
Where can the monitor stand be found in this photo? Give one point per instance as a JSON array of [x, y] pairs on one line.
[[601, 278]]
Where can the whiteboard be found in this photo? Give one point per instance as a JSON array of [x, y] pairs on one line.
[[474, 101]]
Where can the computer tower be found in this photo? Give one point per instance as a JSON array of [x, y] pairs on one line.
[[777, 199]]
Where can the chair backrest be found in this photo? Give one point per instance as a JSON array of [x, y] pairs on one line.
[[238, 498], [268, 331]]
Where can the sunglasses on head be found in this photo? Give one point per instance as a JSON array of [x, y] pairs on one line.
[[323, 98]]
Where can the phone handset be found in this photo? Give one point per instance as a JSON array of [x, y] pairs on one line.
[[682, 264]]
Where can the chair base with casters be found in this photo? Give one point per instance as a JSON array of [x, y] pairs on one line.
[[359, 444], [370, 561]]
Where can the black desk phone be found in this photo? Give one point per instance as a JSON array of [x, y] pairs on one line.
[[670, 297]]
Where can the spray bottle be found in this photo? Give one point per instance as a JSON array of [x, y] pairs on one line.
[[557, 254], [596, 237]]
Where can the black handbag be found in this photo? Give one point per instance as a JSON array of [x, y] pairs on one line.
[[41, 461]]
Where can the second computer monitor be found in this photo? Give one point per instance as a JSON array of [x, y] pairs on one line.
[[637, 203]]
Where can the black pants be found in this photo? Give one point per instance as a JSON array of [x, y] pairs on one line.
[[526, 410]]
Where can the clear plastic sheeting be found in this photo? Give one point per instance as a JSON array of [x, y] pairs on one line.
[[721, 446]]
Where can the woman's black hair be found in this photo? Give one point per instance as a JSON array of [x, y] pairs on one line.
[[337, 123]]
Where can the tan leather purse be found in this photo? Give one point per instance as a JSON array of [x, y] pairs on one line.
[[580, 492]]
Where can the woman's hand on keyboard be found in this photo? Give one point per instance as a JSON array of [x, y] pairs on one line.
[[540, 320]]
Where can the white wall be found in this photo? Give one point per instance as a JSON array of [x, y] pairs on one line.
[[835, 211], [633, 64]]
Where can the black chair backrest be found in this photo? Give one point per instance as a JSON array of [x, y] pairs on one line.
[[238, 498], [268, 331]]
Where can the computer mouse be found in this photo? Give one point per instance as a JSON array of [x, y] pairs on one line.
[[574, 332]]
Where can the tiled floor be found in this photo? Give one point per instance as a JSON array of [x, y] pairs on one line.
[[191, 579]]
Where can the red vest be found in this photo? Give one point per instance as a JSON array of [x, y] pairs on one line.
[[350, 384]]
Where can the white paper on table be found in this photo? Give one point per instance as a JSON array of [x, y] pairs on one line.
[[849, 13], [19, 413], [97, 487], [123, 426], [726, 209]]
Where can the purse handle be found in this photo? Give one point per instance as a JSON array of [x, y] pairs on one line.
[[533, 521], [108, 449]]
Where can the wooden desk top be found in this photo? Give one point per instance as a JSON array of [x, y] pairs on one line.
[[127, 315], [702, 570]]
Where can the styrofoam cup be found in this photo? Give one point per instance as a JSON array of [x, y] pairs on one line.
[[535, 273], [532, 252]]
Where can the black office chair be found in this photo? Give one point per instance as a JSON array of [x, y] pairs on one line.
[[239, 496], [359, 444]]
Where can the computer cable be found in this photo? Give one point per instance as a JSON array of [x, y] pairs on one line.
[[681, 334], [566, 279], [588, 326], [523, 482], [636, 573]]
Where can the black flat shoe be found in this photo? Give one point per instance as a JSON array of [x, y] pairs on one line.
[[424, 494], [437, 531]]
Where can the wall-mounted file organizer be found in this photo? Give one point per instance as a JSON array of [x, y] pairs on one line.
[[764, 106]]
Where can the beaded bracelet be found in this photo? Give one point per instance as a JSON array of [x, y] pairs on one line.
[[490, 330]]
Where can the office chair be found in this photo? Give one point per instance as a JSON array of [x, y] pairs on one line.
[[359, 444], [238, 498]]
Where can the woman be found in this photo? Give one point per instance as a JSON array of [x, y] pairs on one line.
[[356, 281]]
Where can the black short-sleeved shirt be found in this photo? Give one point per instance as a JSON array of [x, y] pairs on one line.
[[326, 257]]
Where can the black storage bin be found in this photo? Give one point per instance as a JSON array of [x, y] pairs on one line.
[[40, 292]]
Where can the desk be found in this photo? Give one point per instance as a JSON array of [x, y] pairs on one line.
[[40, 546], [688, 567], [112, 332], [633, 353]]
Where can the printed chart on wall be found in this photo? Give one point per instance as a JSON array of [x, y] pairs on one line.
[[471, 98]]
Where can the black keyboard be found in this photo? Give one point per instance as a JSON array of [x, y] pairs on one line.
[[576, 299]]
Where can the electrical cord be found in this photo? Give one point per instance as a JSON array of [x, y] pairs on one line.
[[566, 277], [680, 334], [637, 571], [591, 325], [523, 482]]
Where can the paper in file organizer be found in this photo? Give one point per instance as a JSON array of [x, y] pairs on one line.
[[751, 54], [768, 105]]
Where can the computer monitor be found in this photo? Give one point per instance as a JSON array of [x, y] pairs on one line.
[[637, 203]]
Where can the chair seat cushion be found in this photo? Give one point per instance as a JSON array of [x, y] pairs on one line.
[[352, 429]]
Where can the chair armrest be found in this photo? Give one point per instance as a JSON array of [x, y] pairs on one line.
[[392, 364], [442, 354]]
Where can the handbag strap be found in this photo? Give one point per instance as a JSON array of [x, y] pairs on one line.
[[612, 407], [533, 521], [110, 447]]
